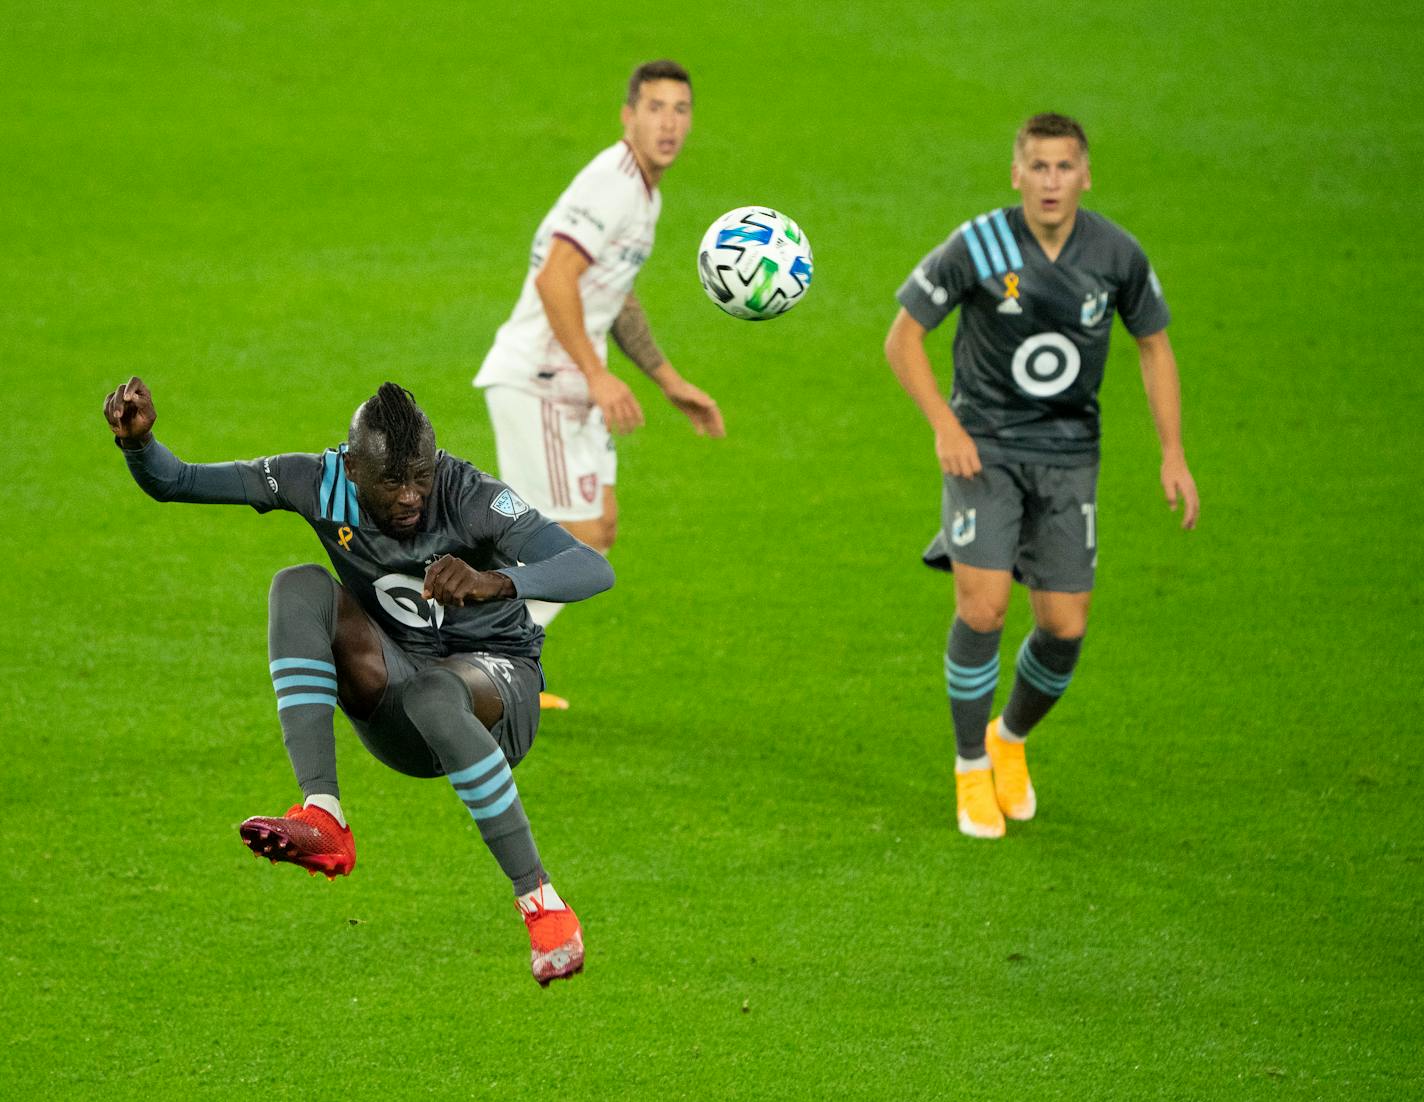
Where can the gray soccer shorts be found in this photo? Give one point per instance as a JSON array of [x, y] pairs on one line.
[[393, 740], [1038, 521]]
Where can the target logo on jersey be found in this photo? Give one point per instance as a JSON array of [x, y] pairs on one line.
[[1046, 364], [400, 596]]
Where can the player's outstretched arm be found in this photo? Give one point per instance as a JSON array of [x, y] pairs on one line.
[[1164, 397], [631, 333], [557, 284], [905, 349], [158, 472]]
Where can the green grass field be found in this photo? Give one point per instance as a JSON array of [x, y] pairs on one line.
[[268, 209]]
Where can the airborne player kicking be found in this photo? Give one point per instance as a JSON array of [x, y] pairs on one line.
[[424, 642]]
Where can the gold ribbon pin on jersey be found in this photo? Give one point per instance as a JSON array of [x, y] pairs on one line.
[[1011, 285], [343, 537]]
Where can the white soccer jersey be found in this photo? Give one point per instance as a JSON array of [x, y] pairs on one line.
[[608, 213]]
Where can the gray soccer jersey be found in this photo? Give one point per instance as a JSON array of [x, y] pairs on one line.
[[468, 514], [1033, 333]]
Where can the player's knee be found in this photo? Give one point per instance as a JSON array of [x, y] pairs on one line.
[[981, 614], [309, 585], [607, 533], [431, 695]]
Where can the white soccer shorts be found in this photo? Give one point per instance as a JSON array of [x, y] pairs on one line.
[[557, 455]]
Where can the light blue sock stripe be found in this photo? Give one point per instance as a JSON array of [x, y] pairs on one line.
[[1040, 677], [494, 784], [952, 668], [305, 698], [309, 682], [975, 250], [1038, 669], [957, 693], [1011, 247], [959, 681], [300, 664], [491, 810], [996, 255], [478, 770]]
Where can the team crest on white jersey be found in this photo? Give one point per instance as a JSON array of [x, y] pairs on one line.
[[400, 596], [509, 504], [962, 531]]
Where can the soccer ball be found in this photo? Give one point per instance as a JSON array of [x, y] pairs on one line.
[[755, 263]]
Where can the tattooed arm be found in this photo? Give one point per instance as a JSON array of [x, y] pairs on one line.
[[632, 335]]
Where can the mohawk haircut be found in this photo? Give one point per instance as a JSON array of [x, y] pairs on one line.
[[663, 69], [1050, 124], [405, 432]]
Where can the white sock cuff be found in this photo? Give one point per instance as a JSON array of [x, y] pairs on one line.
[[971, 765], [328, 803], [545, 896], [1007, 735]]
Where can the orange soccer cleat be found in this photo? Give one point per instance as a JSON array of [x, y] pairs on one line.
[[1012, 787], [979, 814], [305, 836], [555, 941]]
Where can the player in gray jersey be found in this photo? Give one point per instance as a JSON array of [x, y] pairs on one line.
[[424, 642], [1037, 287]]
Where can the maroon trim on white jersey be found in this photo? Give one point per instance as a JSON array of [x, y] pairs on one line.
[[630, 165], [575, 243]]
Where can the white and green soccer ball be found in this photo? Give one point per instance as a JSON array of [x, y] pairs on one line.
[[755, 263]]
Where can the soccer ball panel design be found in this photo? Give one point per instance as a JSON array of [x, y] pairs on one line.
[[755, 263]]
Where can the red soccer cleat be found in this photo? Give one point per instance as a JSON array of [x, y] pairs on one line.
[[305, 836], [555, 942]]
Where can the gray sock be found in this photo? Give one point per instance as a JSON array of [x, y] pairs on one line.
[[1044, 669], [971, 671], [438, 704], [301, 624]]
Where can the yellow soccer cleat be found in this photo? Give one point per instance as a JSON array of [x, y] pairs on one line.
[[979, 814], [1012, 786], [549, 702]]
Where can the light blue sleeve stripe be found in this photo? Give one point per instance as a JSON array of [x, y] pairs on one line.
[[1011, 247], [305, 698], [310, 682], [479, 769], [329, 462], [995, 253], [494, 784], [338, 499], [301, 664], [491, 810], [972, 240], [353, 512]]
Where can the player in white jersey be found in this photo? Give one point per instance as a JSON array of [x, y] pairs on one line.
[[551, 396]]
